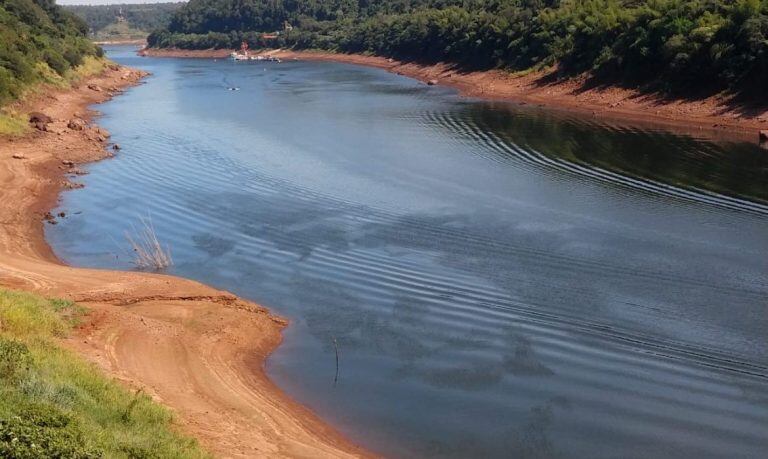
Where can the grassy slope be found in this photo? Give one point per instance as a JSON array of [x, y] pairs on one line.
[[41, 46], [54, 404], [14, 123]]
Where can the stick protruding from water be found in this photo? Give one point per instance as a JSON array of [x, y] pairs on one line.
[[336, 346]]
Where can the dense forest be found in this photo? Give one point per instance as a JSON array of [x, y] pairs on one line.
[[676, 44], [40, 42], [106, 20]]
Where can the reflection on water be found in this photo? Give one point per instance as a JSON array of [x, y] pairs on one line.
[[500, 281], [733, 169]]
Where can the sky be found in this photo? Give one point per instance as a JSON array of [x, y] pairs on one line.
[[109, 2]]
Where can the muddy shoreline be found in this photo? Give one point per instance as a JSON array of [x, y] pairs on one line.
[[198, 350], [717, 116]]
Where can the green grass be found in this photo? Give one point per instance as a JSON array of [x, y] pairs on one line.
[[54, 404], [91, 66], [12, 124]]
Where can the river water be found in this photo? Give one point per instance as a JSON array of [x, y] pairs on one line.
[[501, 281]]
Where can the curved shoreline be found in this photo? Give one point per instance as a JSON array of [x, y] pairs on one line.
[[716, 116], [196, 349]]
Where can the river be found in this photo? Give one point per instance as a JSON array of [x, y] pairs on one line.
[[501, 281]]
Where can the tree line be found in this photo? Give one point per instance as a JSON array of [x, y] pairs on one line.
[[144, 17], [676, 45]]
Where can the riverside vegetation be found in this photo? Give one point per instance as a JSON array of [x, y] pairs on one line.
[[679, 46], [53, 404], [41, 45]]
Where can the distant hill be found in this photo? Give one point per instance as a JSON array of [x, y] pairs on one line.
[[41, 42], [126, 21], [671, 45]]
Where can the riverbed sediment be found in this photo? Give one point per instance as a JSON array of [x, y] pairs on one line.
[[196, 349]]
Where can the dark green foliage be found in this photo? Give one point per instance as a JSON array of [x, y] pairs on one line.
[[144, 17], [42, 430], [34, 429], [674, 44], [33, 32]]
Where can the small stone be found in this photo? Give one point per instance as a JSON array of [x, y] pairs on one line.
[[763, 135], [116, 147], [62, 214], [67, 162], [94, 87], [432, 82], [76, 124], [37, 117], [18, 156]]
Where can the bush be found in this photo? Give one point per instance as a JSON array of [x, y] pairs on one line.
[[73, 57], [14, 359], [42, 430], [55, 61]]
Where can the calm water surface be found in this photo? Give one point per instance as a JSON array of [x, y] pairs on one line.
[[502, 282]]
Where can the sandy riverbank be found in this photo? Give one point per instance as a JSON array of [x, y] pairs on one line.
[[196, 349], [716, 114]]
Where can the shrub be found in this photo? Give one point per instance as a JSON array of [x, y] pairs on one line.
[[43, 431], [14, 359]]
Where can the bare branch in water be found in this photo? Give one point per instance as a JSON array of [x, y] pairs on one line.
[[148, 253], [336, 346]]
